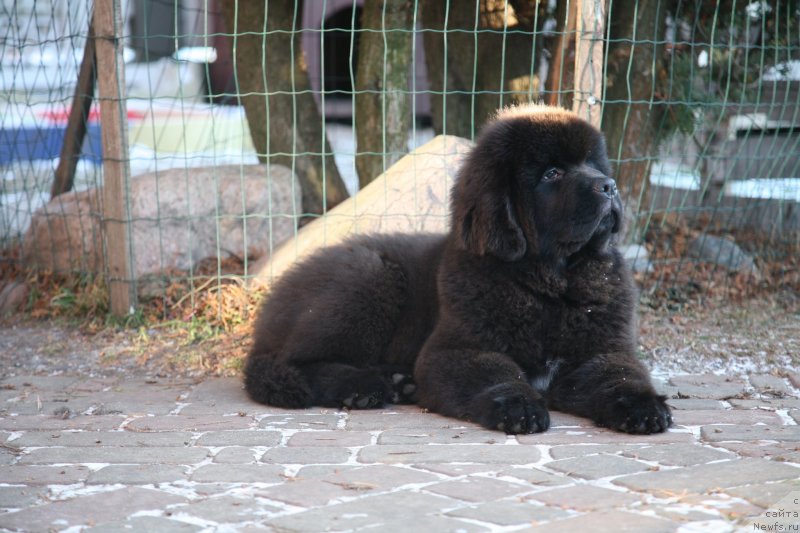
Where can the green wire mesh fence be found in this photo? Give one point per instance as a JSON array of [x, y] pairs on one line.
[[242, 122]]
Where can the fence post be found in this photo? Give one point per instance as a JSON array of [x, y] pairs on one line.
[[116, 171], [590, 28]]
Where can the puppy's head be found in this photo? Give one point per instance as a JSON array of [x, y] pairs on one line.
[[537, 183]]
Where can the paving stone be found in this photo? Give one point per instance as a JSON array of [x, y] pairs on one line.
[[379, 477], [90, 385], [38, 403], [703, 478], [602, 436], [312, 492], [130, 397], [765, 494], [477, 489], [225, 509], [453, 475], [302, 420], [769, 384], [456, 470], [666, 389], [257, 473], [431, 523], [683, 404], [18, 497], [114, 454], [316, 471], [50, 423], [330, 438], [678, 454], [144, 523], [304, 455], [767, 403], [378, 511], [709, 386], [38, 383], [597, 466], [221, 396], [732, 509], [781, 451], [585, 498], [449, 453], [43, 475], [440, 436], [403, 417], [88, 510], [580, 450], [189, 423], [8, 456], [100, 438], [795, 414], [240, 438], [610, 522], [750, 433], [124, 397], [558, 419], [137, 474], [510, 513], [534, 476], [236, 455], [682, 513], [727, 416]]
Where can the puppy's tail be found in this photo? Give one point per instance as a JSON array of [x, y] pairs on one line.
[[269, 382]]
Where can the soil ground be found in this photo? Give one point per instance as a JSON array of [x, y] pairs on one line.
[[754, 335]]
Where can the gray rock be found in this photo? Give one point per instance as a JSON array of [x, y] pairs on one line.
[[179, 217], [722, 252], [637, 257], [13, 296]]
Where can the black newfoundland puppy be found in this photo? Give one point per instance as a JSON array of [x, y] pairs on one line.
[[524, 305]]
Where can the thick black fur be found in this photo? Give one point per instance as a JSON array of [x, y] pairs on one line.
[[524, 305]]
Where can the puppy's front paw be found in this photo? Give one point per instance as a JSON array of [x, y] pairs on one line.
[[641, 414], [513, 408]]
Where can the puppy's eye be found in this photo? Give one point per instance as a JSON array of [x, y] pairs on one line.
[[552, 174]]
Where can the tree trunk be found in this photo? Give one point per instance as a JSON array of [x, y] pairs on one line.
[[635, 68], [383, 104], [561, 72], [472, 74], [274, 88]]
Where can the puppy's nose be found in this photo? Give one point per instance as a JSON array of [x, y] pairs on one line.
[[606, 187]]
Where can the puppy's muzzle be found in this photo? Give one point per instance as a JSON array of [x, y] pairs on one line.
[[605, 186]]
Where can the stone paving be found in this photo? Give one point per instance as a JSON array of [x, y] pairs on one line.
[[112, 454]]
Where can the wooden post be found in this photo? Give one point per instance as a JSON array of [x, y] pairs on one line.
[[589, 82], [77, 121], [116, 170]]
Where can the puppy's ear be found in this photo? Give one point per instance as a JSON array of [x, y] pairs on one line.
[[487, 224]]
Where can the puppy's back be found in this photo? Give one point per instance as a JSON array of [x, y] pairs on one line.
[[367, 302]]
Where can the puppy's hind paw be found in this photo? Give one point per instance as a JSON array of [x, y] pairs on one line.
[[641, 414], [401, 382], [362, 389], [363, 401], [403, 388]]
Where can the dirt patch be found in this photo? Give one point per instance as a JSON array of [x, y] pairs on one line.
[[755, 335]]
